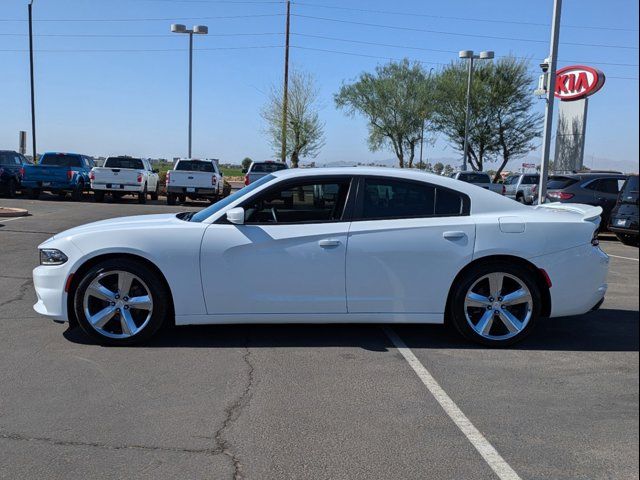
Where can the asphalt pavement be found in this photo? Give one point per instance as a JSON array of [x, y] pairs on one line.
[[307, 401]]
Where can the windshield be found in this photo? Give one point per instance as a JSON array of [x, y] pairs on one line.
[[474, 177], [194, 166], [216, 207], [61, 160], [631, 186], [267, 167], [124, 162]]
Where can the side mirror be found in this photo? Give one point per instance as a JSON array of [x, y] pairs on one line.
[[236, 216], [244, 170]]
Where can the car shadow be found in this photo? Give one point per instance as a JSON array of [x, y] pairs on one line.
[[604, 330]]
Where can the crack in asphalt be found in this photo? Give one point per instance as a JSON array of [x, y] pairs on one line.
[[233, 412], [22, 292]]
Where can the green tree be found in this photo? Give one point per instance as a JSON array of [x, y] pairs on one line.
[[502, 126], [448, 170], [305, 131], [246, 163], [438, 168], [395, 100]]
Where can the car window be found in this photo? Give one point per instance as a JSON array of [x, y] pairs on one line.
[[6, 159], [512, 180], [61, 160], [609, 185], [194, 166], [388, 199], [267, 167], [631, 185], [530, 180], [560, 182], [304, 202], [474, 178], [124, 162]]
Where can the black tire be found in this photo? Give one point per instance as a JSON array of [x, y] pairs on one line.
[[182, 198], [154, 195], [98, 196], [520, 198], [462, 287], [33, 193], [76, 193], [629, 240], [11, 188], [171, 199], [142, 196], [158, 292]]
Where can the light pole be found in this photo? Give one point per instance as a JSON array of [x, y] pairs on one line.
[[485, 55], [198, 30], [33, 98], [424, 121]]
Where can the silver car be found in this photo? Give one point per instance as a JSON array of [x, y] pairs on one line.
[[259, 169], [522, 187]]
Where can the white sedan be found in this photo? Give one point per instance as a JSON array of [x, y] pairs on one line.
[[370, 245]]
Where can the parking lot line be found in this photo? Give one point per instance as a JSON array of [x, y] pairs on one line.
[[625, 258], [10, 219], [480, 443]]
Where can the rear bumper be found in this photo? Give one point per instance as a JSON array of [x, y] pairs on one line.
[[48, 185], [579, 277], [198, 191], [111, 187]]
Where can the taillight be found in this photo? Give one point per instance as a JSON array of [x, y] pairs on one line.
[[21, 172], [70, 174], [92, 176], [246, 179], [139, 178], [534, 189], [168, 178], [560, 195], [504, 189], [213, 180]]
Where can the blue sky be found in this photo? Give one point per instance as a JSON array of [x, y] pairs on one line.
[[120, 86]]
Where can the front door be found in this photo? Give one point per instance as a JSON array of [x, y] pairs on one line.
[[288, 257]]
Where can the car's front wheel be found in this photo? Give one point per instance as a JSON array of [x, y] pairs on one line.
[[496, 304], [121, 302]]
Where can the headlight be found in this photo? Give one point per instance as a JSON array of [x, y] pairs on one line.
[[52, 256]]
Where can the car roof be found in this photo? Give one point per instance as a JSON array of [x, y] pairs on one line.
[[590, 175]]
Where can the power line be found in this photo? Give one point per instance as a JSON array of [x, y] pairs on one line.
[[218, 17], [444, 17], [364, 55], [457, 34], [137, 50], [134, 35]]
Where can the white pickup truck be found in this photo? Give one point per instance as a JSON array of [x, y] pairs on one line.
[[195, 179], [124, 176], [480, 179]]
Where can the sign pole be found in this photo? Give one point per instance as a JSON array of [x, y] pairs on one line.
[[551, 87]]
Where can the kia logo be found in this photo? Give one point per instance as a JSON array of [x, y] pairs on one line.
[[577, 81]]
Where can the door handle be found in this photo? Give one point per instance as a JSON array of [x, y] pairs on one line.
[[329, 242], [454, 235]]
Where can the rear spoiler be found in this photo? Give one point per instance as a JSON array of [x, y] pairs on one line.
[[589, 212]]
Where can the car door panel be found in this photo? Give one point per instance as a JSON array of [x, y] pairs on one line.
[[270, 269], [406, 265]]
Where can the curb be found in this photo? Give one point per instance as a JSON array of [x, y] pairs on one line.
[[13, 212]]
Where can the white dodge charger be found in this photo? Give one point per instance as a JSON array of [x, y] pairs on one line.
[[369, 245]]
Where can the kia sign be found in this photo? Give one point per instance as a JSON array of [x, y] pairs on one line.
[[578, 81]]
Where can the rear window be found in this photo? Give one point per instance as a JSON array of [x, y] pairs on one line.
[[558, 182], [194, 166], [512, 180], [8, 159], [267, 167], [530, 180], [124, 162], [61, 160], [474, 178], [631, 186]]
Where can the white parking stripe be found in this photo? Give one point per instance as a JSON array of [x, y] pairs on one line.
[[9, 219], [626, 258], [488, 452]]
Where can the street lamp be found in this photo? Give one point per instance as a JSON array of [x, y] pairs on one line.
[[485, 55], [33, 99], [198, 30], [424, 121]]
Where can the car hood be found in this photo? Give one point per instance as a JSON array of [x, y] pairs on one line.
[[120, 223]]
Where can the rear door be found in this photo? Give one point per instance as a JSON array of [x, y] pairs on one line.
[[288, 257], [605, 194], [407, 242]]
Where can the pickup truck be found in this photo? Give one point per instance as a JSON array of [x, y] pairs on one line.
[[11, 171], [195, 179], [59, 173], [124, 176], [259, 169], [522, 187], [480, 179]]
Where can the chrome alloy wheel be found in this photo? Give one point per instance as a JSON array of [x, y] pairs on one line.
[[117, 304], [498, 306]]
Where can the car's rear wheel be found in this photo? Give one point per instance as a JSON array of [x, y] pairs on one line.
[[98, 196], [11, 188], [171, 199], [630, 240], [496, 304], [154, 195], [142, 196], [121, 302], [78, 190]]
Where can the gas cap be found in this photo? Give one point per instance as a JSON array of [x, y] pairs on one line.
[[512, 224]]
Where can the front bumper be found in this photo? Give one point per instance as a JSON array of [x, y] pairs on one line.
[[49, 283]]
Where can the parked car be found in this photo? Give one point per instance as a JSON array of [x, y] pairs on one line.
[[479, 179], [261, 169], [599, 189], [125, 176], [624, 216], [354, 244], [11, 172], [195, 179], [59, 173], [522, 187]]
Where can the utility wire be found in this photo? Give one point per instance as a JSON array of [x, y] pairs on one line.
[[172, 19], [457, 34], [135, 35], [443, 17]]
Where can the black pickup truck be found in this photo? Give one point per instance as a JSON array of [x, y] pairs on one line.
[[11, 172]]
